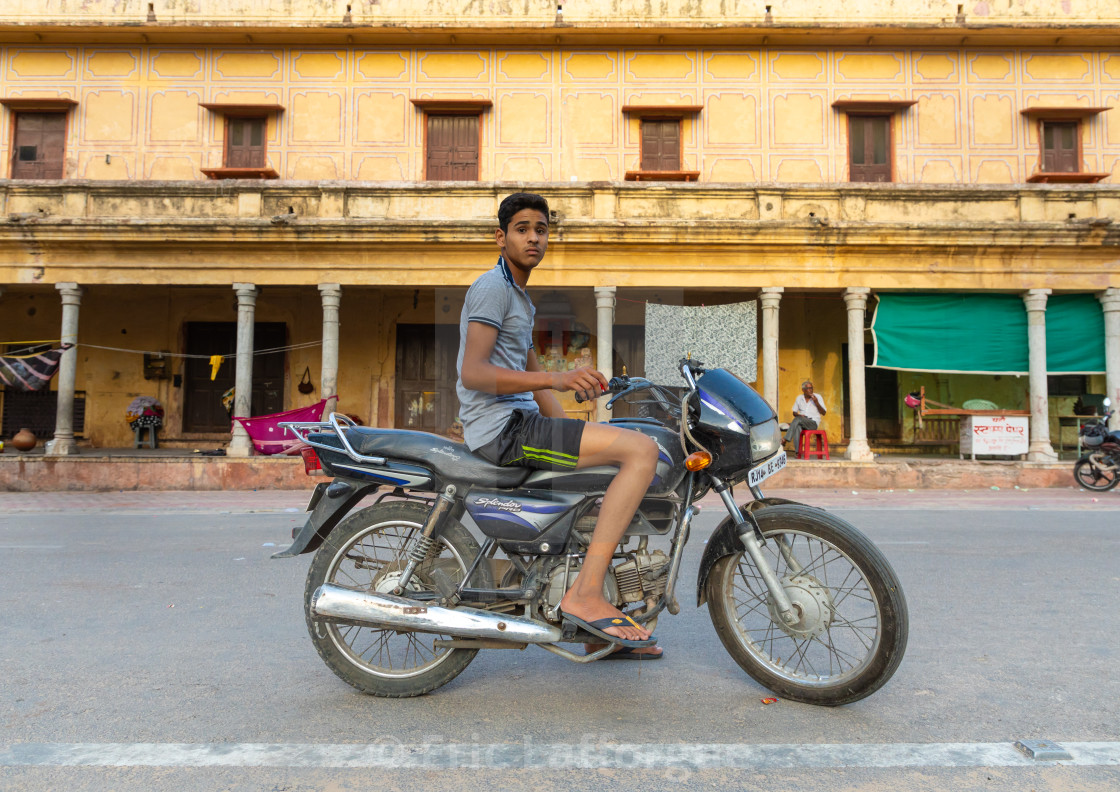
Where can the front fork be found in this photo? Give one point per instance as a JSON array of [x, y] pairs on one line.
[[752, 539], [422, 544]]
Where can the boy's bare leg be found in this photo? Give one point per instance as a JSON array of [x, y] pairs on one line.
[[636, 456]]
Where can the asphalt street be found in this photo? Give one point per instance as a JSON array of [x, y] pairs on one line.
[[150, 643]]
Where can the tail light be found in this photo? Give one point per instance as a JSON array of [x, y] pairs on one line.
[[311, 464]]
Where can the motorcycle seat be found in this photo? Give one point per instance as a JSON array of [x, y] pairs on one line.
[[449, 459]]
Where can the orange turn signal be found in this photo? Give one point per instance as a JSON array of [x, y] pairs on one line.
[[698, 460]]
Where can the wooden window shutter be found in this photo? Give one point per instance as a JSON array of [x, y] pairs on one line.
[[452, 153], [661, 145], [869, 148], [245, 142], [40, 146], [1059, 147]]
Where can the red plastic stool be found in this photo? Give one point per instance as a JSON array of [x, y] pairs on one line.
[[821, 446]]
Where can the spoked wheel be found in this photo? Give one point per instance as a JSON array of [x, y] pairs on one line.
[[367, 552], [852, 619], [1093, 477]]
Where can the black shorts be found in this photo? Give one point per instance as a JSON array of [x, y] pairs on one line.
[[532, 440]]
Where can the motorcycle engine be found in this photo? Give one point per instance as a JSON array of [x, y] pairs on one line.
[[640, 578]]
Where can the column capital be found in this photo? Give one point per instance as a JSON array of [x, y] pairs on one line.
[[71, 293], [770, 296], [855, 297], [246, 293], [1035, 299], [1110, 299], [605, 296], [330, 289]]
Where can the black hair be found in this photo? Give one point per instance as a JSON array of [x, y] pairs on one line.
[[512, 204]]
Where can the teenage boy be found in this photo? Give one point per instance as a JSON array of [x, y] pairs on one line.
[[512, 417]]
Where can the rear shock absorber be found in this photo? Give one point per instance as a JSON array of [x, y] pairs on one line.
[[422, 545]]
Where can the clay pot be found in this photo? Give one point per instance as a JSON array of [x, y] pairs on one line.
[[24, 440]]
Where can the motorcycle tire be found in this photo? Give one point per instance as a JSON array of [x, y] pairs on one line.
[[1087, 475], [853, 621], [364, 552]]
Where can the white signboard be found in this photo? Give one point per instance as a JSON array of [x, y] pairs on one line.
[[991, 435]]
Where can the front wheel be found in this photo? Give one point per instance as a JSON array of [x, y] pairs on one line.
[[1093, 477], [367, 552], [852, 619]]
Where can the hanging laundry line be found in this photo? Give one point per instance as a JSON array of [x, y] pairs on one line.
[[269, 351]]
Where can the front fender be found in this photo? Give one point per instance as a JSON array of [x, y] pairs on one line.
[[724, 541], [334, 503]]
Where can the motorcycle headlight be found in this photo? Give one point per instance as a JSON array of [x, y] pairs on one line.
[[766, 439]]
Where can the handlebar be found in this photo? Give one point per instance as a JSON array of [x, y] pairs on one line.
[[615, 385]]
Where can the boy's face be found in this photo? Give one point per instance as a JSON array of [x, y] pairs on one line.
[[525, 239]]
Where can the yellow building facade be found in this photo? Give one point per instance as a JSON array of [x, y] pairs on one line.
[[693, 153]]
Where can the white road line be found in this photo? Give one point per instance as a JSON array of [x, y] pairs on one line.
[[590, 754]]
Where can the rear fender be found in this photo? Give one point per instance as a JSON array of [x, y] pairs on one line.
[[331, 502], [725, 541]]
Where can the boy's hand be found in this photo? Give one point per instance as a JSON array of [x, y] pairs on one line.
[[585, 381]]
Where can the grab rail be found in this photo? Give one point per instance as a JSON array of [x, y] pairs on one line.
[[303, 429]]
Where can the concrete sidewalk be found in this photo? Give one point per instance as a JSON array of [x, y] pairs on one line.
[[294, 501]]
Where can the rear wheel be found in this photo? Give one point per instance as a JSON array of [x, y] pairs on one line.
[[1093, 477], [367, 552], [852, 619]]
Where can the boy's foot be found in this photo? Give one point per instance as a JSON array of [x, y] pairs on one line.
[[646, 652], [594, 610]]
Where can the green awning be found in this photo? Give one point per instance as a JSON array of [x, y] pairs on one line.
[[985, 333]]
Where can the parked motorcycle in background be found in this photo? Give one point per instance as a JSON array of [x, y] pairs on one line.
[[400, 596], [1099, 468]]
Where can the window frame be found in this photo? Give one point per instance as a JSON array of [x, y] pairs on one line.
[[662, 113], [229, 119], [891, 159], [873, 107], [17, 105], [429, 107], [1062, 115], [242, 111]]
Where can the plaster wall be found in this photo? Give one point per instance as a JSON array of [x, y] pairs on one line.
[[556, 113], [507, 12]]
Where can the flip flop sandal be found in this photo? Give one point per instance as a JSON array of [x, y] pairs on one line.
[[630, 654], [596, 628]]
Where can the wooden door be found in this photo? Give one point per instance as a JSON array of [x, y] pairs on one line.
[[426, 377], [203, 410], [869, 147], [661, 145], [245, 142], [452, 148], [1059, 147], [39, 146]]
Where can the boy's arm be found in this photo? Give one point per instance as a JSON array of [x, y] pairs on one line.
[[549, 405], [479, 374]]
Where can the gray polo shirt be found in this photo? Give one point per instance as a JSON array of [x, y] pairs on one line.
[[496, 300]]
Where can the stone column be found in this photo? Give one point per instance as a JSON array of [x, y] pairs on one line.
[[856, 300], [1110, 302], [604, 330], [770, 297], [240, 445], [63, 443], [331, 294], [1040, 449]]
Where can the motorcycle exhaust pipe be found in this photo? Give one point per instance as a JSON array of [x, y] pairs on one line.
[[388, 611]]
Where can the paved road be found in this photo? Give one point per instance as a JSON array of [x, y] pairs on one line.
[[149, 643]]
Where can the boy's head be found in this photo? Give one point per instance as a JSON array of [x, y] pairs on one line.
[[512, 204]]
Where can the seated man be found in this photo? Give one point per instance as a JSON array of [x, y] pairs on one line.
[[808, 409], [512, 417]]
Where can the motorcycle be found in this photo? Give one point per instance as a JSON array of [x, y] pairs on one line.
[[400, 596], [1099, 469]]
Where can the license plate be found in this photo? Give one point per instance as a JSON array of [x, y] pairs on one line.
[[766, 469]]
